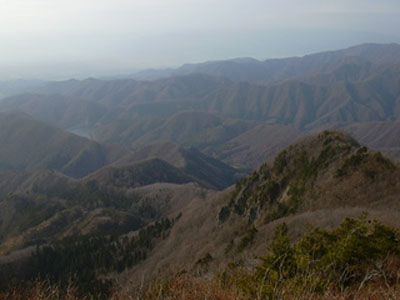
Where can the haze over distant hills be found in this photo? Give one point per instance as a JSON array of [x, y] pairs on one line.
[[272, 70], [29, 145], [213, 105], [132, 178]]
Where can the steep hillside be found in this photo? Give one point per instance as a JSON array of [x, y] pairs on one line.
[[379, 135], [195, 128], [27, 144], [318, 182], [306, 105], [27, 182], [321, 172], [251, 148]]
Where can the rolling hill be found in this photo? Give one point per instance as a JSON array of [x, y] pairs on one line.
[[202, 168], [27, 144], [140, 174], [114, 190], [45, 206]]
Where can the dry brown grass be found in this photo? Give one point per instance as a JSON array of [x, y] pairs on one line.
[[193, 288], [40, 290], [182, 287], [187, 287]]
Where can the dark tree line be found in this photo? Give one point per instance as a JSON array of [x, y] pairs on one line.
[[86, 261]]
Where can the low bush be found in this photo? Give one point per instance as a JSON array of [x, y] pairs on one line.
[[357, 253]]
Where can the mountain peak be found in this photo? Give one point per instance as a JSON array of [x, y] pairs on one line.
[[320, 171]]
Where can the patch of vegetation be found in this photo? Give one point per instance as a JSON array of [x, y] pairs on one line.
[[279, 190], [86, 260], [353, 162], [240, 206], [277, 211], [357, 253], [371, 164], [294, 169], [224, 214], [33, 212], [247, 239], [273, 189], [88, 194], [358, 260], [280, 162]]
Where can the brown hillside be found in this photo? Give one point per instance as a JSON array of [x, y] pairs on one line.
[[340, 177]]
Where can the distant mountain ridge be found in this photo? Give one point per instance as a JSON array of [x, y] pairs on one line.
[[27, 144], [335, 89], [203, 169], [273, 70]]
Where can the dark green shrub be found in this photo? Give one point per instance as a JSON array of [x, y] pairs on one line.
[[247, 239], [322, 259], [280, 162], [224, 214], [277, 211]]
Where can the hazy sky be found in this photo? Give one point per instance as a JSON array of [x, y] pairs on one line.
[[66, 38]]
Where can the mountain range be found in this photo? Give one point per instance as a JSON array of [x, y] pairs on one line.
[[342, 89], [190, 171], [362, 57], [319, 181]]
